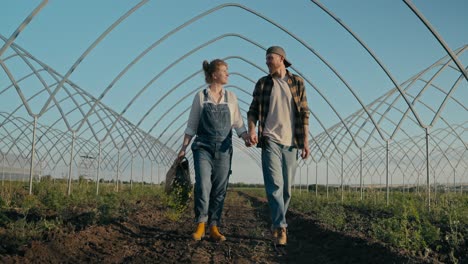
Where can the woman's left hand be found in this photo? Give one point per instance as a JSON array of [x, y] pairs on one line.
[[246, 138]]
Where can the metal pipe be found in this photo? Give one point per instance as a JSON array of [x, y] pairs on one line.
[[438, 37], [360, 173], [342, 178], [143, 171], [316, 179], [428, 186], [3, 170], [300, 179], [327, 178], [33, 151], [131, 173], [71, 162], [98, 169], [386, 173], [118, 170]]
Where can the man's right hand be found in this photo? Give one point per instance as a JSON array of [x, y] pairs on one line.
[[253, 137]]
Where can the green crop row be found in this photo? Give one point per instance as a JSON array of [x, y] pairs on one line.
[[406, 223], [49, 210]]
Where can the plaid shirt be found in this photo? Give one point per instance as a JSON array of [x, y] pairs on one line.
[[260, 106]]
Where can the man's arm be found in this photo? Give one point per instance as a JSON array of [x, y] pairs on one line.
[[253, 113], [306, 151]]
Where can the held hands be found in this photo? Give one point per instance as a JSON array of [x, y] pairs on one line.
[[253, 137], [245, 136]]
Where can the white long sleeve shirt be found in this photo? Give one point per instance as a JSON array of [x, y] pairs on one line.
[[197, 106]]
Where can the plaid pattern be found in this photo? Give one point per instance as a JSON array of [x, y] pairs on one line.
[[260, 106]]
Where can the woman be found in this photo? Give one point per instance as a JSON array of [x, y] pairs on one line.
[[215, 112]]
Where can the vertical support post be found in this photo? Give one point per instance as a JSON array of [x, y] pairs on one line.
[[159, 180], [118, 170], [454, 182], [360, 174], [428, 185], [3, 170], [419, 182], [72, 148], [386, 173], [316, 179], [300, 179], [33, 151], [98, 169], [151, 172], [404, 184], [327, 178], [307, 183], [131, 173], [342, 178], [143, 171]]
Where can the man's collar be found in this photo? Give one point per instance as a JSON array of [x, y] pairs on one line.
[[275, 75]]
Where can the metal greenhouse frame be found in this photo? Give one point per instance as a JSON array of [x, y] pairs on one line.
[[388, 137]]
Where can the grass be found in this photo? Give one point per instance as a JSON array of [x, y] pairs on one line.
[[49, 209], [404, 224]]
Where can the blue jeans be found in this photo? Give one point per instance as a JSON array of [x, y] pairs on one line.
[[279, 165], [212, 164]]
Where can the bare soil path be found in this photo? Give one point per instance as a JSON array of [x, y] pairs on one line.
[[147, 235]]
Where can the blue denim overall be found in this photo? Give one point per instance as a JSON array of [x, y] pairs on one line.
[[212, 152]]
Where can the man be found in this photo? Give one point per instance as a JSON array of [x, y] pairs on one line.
[[280, 107]]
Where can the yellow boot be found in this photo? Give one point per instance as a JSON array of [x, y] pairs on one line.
[[200, 232], [215, 235]]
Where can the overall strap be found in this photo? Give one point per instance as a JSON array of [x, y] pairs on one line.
[[205, 93]]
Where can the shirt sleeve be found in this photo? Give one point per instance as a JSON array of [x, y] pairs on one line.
[[254, 110], [194, 117], [304, 105], [237, 121]]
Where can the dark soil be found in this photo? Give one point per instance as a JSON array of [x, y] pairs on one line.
[[149, 236]]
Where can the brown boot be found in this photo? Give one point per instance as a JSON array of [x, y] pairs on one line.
[[200, 232], [274, 233], [215, 235], [281, 238]]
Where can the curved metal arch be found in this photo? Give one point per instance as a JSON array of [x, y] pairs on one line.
[[444, 103], [438, 37], [180, 83], [442, 91], [359, 115], [24, 123], [52, 73], [390, 106], [448, 125], [21, 27], [89, 49], [437, 142], [386, 96], [229, 57], [266, 19], [38, 76], [382, 66], [416, 99], [18, 89]]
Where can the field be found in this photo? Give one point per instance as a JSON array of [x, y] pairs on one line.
[[141, 224]]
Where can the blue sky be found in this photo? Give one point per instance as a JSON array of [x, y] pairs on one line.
[[63, 30]]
